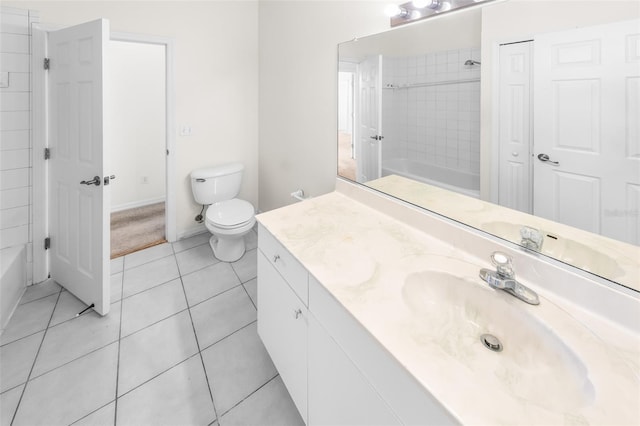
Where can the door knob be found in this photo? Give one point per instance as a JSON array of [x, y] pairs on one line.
[[95, 181], [107, 179], [545, 159]]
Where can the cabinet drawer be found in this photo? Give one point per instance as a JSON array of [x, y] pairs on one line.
[[284, 262]]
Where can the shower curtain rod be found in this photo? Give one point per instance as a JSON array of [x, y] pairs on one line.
[[435, 83]]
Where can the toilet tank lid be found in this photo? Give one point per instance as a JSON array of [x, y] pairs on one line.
[[221, 170]]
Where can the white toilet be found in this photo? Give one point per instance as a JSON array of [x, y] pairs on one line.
[[228, 218]]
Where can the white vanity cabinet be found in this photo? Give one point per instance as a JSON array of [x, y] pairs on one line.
[[334, 370], [282, 315], [338, 392]]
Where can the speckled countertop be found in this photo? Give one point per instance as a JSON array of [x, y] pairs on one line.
[[553, 370]]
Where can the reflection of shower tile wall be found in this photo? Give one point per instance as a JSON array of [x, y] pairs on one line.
[[437, 124]]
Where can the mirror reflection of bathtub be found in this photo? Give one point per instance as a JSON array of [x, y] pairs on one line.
[[453, 180]]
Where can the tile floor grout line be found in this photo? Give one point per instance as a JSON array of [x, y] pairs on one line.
[[74, 359], [217, 262], [22, 338], [35, 359], [39, 298], [158, 375], [209, 298], [76, 317], [228, 335], [189, 248], [248, 396], [35, 332], [145, 263], [155, 323], [195, 335], [146, 289], [88, 414], [115, 404], [247, 291]]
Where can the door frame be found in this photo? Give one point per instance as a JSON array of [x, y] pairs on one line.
[[40, 196]]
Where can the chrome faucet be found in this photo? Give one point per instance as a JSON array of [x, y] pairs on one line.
[[504, 278], [531, 238]]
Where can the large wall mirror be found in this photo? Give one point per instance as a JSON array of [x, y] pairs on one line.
[[519, 118]]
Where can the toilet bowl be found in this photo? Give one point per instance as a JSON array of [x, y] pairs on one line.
[[229, 221], [228, 218]]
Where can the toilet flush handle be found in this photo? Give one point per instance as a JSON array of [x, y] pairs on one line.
[[200, 180]]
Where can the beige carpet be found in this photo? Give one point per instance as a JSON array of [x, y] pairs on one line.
[[346, 164], [137, 229]]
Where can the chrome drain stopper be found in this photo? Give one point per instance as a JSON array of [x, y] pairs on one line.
[[491, 342]]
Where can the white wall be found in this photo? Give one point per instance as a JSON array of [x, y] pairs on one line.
[[15, 127], [216, 78], [520, 20], [298, 91], [135, 113]]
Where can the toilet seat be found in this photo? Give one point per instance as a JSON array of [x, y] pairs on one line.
[[230, 214]]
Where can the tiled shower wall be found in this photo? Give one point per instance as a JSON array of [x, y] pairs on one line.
[[438, 122], [15, 131]]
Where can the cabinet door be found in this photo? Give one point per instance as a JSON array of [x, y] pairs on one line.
[[338, 393], [282, 326]]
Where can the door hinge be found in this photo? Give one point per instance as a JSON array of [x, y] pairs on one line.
[[46, 63], [47, 153], [47, 243]]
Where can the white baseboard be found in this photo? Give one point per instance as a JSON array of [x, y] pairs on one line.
[[134, 204], [190, 232]]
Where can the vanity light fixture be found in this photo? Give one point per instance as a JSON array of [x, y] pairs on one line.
[[420, 9], [393, 10]]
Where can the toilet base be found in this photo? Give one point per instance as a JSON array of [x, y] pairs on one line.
[[227, 249]]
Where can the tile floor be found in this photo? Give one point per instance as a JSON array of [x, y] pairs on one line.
[[179, 347]]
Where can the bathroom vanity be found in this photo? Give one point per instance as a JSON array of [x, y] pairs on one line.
[[373, 310]]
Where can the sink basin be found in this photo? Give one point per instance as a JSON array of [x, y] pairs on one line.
[[453, 312]]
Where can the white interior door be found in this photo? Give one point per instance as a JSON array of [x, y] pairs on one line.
[[369, 153], [586, 109], [79, 219], [515, 127]]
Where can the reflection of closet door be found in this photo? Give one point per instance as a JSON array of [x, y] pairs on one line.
[[515, 126], [370, 109], [587, 151]]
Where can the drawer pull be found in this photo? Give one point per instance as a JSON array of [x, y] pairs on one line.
[[298, 313], [276, 258]]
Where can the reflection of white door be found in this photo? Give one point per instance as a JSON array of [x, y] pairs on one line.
[[515, 126], [369, 150], [586, 109], [79, 220]]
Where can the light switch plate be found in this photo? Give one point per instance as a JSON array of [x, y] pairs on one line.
[[4, 79]]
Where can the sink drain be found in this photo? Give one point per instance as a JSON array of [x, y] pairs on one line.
[[491, 342]]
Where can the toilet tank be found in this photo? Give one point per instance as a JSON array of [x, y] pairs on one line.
[[214, 184]]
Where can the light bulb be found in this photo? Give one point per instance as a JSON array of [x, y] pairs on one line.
[[392, 10]]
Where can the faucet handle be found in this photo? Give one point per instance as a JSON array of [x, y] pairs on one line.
[[503, 264]]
